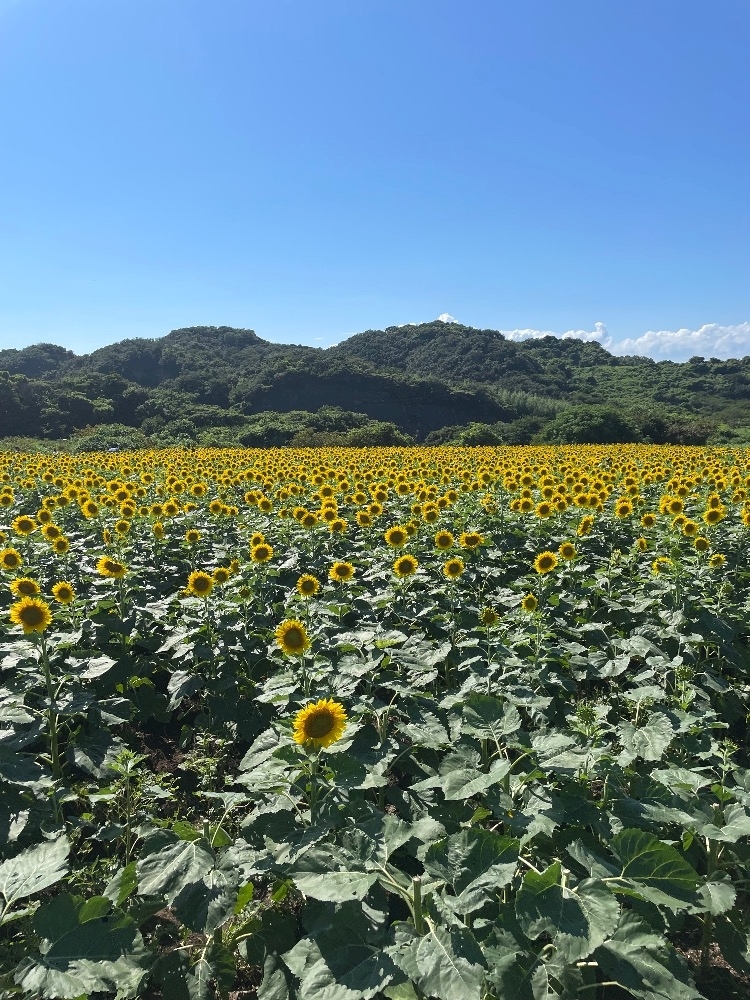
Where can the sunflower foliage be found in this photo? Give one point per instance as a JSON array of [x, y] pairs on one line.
[[452, 723]]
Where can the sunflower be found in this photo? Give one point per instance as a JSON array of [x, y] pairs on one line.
[[320, 723], [63, 592], [51, 531], [584, 526], [396, 536], [292, 637], [34, 615], [544, 510], [567, 550], [453, 568], [430, 514], [221, 574], [158, 529], [660, 563], [261, 553], [257, 539], [529, 602], [623, 508], [337, 526], [488, 617], [308, 519], [714, 514], [200, 584], [308, 585], [470, 540], [641, 544], [122, 527], [716, 560], [648, 520], [10, 559], [340, 572], [444, 540], [364, 520], [701, 544], [24, 525], [109, 567], [192, 536], [689, 529], [61, 545], [545, 562], [24, 586], [405, 566]]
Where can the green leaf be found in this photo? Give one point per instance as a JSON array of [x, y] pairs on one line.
[[335, 887], [463, 784], [718, 897], [352, 969], [734, 943], [644, 963], [88, 951], [34, 869], [489, 718], [122, 885], [577, 920], [450, 964], [475, 863], [648, 863], [167, 864], [649, 741]]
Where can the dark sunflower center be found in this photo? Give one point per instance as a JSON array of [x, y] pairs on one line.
[[32, 615], [27, 589], [319, 724], [202, 584], [293, 638]]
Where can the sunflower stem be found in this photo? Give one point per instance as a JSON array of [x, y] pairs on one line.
[[314, 757], [52, 714]]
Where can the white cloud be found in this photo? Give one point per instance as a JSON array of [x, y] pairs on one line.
[[599, 333], [710, 340], [447, 318]]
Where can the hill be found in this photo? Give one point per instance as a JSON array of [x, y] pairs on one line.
[[428, 382]]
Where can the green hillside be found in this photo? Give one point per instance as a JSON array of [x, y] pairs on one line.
[[433, 382]]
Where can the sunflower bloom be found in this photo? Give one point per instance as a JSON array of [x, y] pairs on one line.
[[292, 637], [453, 568], [341, 572], [567, 550], [471, 540], [716, 560], [32, 614], [405, 566], [110, 567], [701, 544], [396, 536], [24, 525], [529, 603], [444, 540], [320, 723], [63, 592], [221, 574], [10, 559], [545, 562], [200, 584], [261, 553], [489, 617], [308, 585], [24, 586]]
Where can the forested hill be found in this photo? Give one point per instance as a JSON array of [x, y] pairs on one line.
[[433, 381]]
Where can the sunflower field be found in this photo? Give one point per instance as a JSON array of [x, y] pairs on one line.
[[330, 724]]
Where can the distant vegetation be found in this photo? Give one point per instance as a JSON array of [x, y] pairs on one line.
[[434, 383]]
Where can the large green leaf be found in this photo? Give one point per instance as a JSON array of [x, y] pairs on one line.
[[644, 963], [450, 963], [335, 886], [489, 718], [34, 869], [577, 920], [168, 865], [655, 870], [88, 949], [354, 970], [475, 863], [649, 741]]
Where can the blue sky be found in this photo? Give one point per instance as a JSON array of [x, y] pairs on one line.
[[310, 170]]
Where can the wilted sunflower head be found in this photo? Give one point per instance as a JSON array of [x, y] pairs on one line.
[[320, 723], [489, 617], [31, 613], [292, 637], [716, 560]]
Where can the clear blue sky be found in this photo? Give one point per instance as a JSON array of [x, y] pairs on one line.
[[312, 169]]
